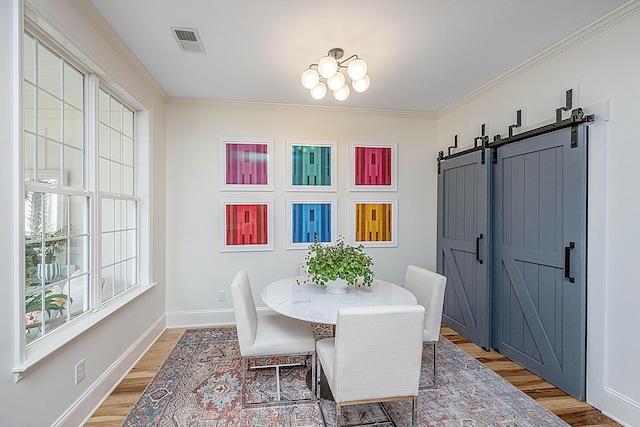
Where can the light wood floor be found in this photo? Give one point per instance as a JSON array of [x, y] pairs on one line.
[[579, 414]]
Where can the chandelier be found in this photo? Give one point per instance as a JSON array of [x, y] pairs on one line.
[[330, 69]]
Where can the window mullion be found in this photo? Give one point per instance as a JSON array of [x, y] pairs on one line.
[[95, 213]]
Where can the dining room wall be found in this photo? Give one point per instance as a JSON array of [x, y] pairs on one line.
[[46, 394], [197, 270], [600, 65]]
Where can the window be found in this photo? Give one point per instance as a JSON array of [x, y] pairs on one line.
[[117, 196], [80, 202]]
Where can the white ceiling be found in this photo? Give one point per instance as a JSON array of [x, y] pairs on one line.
[[423, 55]]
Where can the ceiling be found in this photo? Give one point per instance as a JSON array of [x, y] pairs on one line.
[[423, 55]]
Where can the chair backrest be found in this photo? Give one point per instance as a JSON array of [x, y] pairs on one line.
[[428, 288], [378, 352], [244, 309]]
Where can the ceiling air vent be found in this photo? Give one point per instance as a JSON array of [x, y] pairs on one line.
[[188, 39]]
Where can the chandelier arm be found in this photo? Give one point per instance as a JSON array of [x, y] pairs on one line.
[[348, 59]]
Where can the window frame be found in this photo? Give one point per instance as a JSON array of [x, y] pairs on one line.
[[29, 356]]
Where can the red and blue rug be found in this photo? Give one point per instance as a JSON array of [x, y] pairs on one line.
[[199, 386]]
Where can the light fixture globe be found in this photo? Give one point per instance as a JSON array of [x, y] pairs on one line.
[[336, 81], [362, 84], [357, 69], [319, 91], [310, 78], [342, 93], [327, 66]]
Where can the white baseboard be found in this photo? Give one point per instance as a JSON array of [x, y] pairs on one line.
[[620, 408], [101, 389], [198, 318]]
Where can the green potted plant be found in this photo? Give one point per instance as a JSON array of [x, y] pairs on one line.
[[327, 263]]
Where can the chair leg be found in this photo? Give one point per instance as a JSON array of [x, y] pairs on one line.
[[435, 374], [314, 377], [414, 413], [244, 380]]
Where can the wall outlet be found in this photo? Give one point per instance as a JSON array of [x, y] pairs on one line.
[[220, 296], [80, 371]]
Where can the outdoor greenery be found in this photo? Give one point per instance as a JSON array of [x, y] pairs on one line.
[[51, 247], [339, 261]]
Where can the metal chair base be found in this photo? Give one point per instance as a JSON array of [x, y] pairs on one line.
[[277, 367]]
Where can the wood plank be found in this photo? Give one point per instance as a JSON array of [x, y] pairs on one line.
[[578, 414]]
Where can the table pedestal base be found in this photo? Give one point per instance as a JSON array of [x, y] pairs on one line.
[[324, 386]]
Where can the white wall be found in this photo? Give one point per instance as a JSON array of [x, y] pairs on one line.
[[47, 394], [196, 269], [601, 67]]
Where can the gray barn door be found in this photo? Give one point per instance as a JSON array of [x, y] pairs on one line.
[[463, 222], [539, 294]]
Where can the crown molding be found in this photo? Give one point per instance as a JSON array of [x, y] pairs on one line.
[[581, 36], [100, 24], [42, 16], [301, 107]]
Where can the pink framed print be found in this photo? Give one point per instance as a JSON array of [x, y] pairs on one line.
[[246, 225], [246, 164], [373, 166]]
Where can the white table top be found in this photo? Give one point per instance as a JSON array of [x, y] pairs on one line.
[[312, 303]]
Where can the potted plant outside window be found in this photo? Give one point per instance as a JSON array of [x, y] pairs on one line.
[[50, 270], [327, 263]]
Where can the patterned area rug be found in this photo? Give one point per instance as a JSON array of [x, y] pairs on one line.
[[199, 385]]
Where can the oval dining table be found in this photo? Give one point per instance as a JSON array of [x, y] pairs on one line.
[[292, 297]]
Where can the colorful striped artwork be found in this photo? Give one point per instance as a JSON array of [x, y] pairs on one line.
[[310, 221], [373, 165], [247, 224], [247, 164], [373, 222], [310, 165]]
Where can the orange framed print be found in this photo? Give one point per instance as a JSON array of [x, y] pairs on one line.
[[246, 225], [374, 223]]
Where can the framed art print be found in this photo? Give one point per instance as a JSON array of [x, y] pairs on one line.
[[246, 225], [373, 166], [374, 223], [246, 164], [311, 165], [310, 219]]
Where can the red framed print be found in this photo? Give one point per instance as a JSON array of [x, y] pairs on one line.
[[246, 164], [246, 225], [373, 166], [374, 223]]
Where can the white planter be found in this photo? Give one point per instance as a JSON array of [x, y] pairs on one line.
[[49, 272], [339, 286]]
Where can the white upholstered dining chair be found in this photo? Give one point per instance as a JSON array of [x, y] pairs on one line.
[[269, 336], [428, 288], [375, 356]]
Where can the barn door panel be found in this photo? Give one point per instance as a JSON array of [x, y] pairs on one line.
[[539, 246], [463, 227]]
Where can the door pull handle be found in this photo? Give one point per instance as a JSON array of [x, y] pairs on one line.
[[478, 248], [567, 262]]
